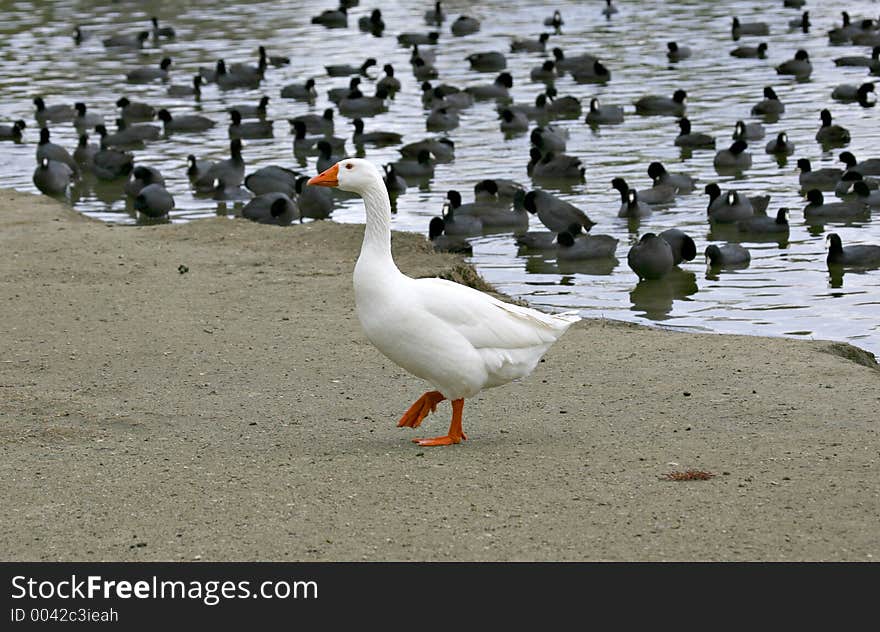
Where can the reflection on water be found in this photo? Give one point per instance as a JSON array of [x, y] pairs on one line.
[[787, 289], [653, 299]]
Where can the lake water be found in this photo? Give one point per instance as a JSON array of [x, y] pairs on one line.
[[787, 289]]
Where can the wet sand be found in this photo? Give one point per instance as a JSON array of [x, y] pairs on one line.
[[237, 412]]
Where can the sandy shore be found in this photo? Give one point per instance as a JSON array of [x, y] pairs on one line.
[[236, 412]]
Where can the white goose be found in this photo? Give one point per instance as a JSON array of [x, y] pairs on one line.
[[456, 338]]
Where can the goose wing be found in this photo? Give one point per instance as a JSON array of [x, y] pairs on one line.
[[487, 323]]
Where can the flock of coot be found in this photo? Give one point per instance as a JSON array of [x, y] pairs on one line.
[[278, 195]]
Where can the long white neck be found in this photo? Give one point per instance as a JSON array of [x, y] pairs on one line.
[[376, 249]]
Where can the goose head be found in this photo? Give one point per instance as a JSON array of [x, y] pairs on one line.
[[351, 174]]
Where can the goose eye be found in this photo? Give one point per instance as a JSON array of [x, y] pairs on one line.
[[348, 165]]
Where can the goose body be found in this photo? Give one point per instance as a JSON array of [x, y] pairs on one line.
[[458, 339]]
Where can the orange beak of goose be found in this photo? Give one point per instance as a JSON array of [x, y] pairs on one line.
[[327, 178]]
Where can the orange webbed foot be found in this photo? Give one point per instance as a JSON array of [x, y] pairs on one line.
[[423, 406], [456, 435], [435, 441]]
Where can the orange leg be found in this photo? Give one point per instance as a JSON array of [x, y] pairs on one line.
[[455, 432], [424, 406]]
